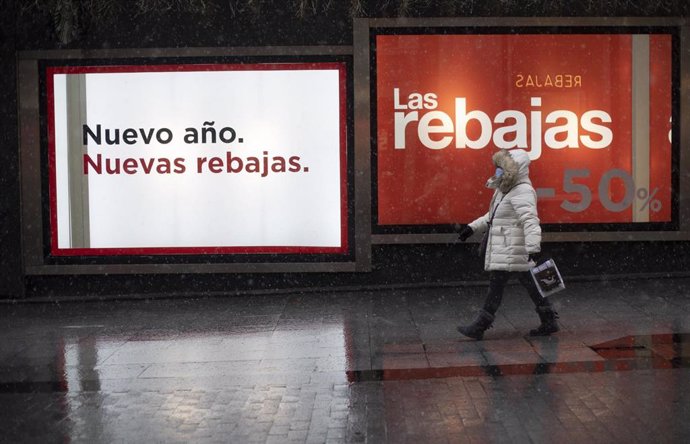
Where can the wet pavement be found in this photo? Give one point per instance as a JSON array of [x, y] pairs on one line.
[[375, 366]]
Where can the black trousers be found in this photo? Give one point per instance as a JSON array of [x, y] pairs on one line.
[[497, 283]]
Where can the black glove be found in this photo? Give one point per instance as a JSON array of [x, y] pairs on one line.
[[537, 258], [465, 233]]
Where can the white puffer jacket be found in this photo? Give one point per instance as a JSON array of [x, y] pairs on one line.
[[515, 232]]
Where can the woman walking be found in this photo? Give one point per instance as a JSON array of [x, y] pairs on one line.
[[512, 241]]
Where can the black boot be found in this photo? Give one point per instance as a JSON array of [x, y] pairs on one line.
[[476, 329], [548, 322]]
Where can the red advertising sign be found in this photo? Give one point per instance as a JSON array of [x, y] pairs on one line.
[[593, 111]]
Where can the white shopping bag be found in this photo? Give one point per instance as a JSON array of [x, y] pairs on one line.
[[547, 278]]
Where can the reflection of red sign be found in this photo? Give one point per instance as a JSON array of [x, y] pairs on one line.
[[445, 103]]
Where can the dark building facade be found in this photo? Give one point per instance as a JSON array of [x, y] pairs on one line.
[[105, 25]]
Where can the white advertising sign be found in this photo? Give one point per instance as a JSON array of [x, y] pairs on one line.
[[197, 159]]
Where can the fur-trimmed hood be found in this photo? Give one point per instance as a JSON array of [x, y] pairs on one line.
[[515, 165], [512, 221]]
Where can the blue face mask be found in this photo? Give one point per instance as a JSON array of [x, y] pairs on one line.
[[499, 172]]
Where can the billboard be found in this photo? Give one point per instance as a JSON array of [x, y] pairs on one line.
[[197, 159], [593, 110]]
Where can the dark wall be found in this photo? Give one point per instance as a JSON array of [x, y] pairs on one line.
[[10, 266], [72, 24], [50, 24], [437, 264]]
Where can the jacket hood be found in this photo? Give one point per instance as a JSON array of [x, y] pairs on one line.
[[515, 165]]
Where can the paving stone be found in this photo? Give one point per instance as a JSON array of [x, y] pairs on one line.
[[370, 367]]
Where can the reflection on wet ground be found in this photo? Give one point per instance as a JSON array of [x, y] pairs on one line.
[[660, 351], [384, 366]]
